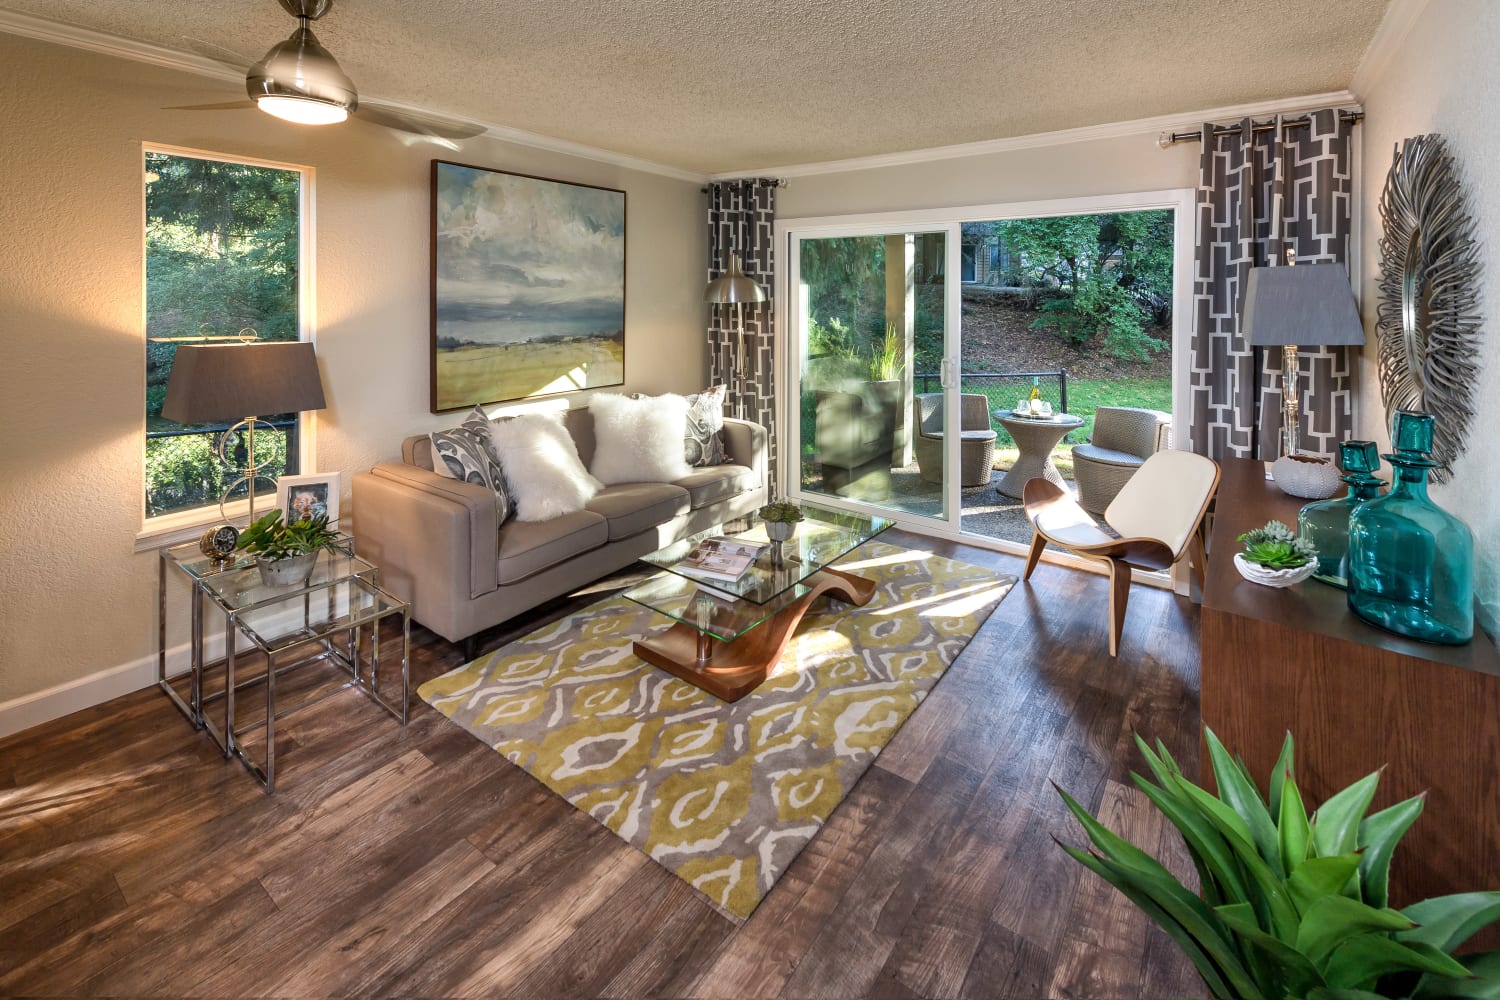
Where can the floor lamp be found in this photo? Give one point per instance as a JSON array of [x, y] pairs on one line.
[[735, 287], [1307, 305], [217, 382]]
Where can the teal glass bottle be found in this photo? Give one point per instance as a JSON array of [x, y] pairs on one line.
[[1325, 523], [1411, 563]]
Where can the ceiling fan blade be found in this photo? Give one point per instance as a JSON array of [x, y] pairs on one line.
[[225, 106], [405, 121]]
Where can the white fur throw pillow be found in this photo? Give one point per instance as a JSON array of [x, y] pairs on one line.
[[541, 466], [639, 440]]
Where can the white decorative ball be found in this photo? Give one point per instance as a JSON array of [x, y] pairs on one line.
[[1306, 477]]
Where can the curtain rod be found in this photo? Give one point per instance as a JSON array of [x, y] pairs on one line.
[[1168, 138], [779, 182]]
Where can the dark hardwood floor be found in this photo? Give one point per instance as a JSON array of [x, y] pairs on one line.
[[417, 862]]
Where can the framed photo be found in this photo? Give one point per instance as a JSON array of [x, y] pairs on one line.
[[305, 497], [528, 286]]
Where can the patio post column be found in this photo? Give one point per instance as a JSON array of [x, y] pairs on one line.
[[900, 312]]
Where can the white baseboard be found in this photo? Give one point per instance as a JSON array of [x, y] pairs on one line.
[[97, 688]]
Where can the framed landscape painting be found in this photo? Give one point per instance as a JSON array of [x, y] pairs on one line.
[[528, 286]]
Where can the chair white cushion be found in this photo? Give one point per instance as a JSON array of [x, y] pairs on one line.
[[541, 466], [639, 440], [1070, 525], [1164, 498]]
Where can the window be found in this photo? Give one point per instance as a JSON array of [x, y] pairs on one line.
[[223, 254]]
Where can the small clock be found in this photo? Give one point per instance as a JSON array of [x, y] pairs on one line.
[[219, 541]]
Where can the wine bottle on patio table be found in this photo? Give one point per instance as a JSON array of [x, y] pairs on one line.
[[1034, 404]]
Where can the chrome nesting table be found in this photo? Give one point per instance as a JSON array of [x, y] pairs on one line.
[[333, 619]]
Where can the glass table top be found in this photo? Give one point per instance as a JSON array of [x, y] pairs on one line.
[[727, 609], [284, 621]]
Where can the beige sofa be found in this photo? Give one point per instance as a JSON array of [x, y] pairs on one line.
[[437, 544]]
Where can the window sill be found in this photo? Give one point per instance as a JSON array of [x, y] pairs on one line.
[[187, 525]]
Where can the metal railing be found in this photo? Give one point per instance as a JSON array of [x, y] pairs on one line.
[[998, 386], [183, 469]]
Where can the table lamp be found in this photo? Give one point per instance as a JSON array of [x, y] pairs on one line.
[[215, 382], [735, 287]]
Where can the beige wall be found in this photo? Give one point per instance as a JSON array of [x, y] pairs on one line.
[[1444, 79], [75, 598]]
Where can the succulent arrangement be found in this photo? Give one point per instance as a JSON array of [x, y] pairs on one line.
[[781, 512], [1292, 904], [270, 539], [1276, 546]]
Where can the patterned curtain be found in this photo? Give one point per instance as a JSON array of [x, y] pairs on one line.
[[1260, 192], [741, 217]]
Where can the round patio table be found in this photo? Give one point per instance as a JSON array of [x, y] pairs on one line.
[[1035, 438]]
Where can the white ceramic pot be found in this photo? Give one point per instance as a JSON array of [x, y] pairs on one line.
[[1306, 477], [288, 571], [780, 531], [1256, 573]]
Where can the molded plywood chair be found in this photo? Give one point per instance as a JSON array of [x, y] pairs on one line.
[[1158, 513], [976, 456]]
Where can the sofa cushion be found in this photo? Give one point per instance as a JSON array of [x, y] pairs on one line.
[[543, 475], [639, 440], [631, 508], [704, 441], [717, 482], [528, 547], [463, 454], [1107, 456]]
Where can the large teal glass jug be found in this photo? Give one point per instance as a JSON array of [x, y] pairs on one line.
[[1411, 563], [1325, 523]]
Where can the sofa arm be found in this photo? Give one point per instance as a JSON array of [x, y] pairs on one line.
[[745, 442], [435, 539]]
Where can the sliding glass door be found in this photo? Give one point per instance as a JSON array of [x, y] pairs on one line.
[[872, 319]]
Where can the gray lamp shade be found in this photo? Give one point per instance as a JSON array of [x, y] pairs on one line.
[[1306, 305], [233, 381], [734, 285]]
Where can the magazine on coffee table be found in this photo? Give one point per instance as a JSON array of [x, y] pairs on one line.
[[719, 559]]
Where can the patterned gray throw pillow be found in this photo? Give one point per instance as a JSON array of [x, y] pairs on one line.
[[704, 440], [463, 453]]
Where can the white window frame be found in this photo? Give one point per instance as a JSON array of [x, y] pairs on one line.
[[184, 525], [1181, 201]]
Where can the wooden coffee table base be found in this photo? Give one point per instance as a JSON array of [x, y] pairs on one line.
[[731, 670]]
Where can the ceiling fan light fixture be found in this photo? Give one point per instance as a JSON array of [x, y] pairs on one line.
[[302, 110], [300, 81]]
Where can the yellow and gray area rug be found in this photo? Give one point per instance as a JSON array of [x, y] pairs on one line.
[[723, 795]]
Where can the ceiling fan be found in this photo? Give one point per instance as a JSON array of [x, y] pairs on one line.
[[299, 80]]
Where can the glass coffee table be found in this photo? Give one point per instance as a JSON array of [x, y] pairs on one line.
[[728, 635]]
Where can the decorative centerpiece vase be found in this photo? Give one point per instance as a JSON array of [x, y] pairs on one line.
[[287, 571], [780, 531], [1411, 563], [1267, 577], [1305, 476], [1325, 523]]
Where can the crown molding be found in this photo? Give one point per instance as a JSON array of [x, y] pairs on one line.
[[41, 29], [1089, 133], [1400, 17]]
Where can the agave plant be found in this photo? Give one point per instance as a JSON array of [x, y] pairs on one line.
[[1292, 905]]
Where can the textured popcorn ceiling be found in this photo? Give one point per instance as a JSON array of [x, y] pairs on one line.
[[716, 86]]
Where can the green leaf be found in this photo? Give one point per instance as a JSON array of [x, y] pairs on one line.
[[1271, 899], [1208, 970], [1335, 826], [1216, 863], [1482, 982], [1318, 878], [1113, 846], [1378, 836], [1293, 830], [1360, 961], [1281, 772], [1446, 922], [1158, 763], [1244, 798], [1333, 921], [1295, 974], [1323, 993]]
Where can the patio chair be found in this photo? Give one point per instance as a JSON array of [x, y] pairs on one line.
[[1124, 437], [976, 448], [1158, 515], [855, 434]]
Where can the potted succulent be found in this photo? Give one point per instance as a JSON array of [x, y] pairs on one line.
[[781, 517], [285, 553], [1275, 557], [1292, 904]]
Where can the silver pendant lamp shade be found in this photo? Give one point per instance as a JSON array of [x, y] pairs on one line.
[[299, 80], [733, 286]]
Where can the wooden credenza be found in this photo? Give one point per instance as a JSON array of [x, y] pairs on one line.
[[1355, 698]]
